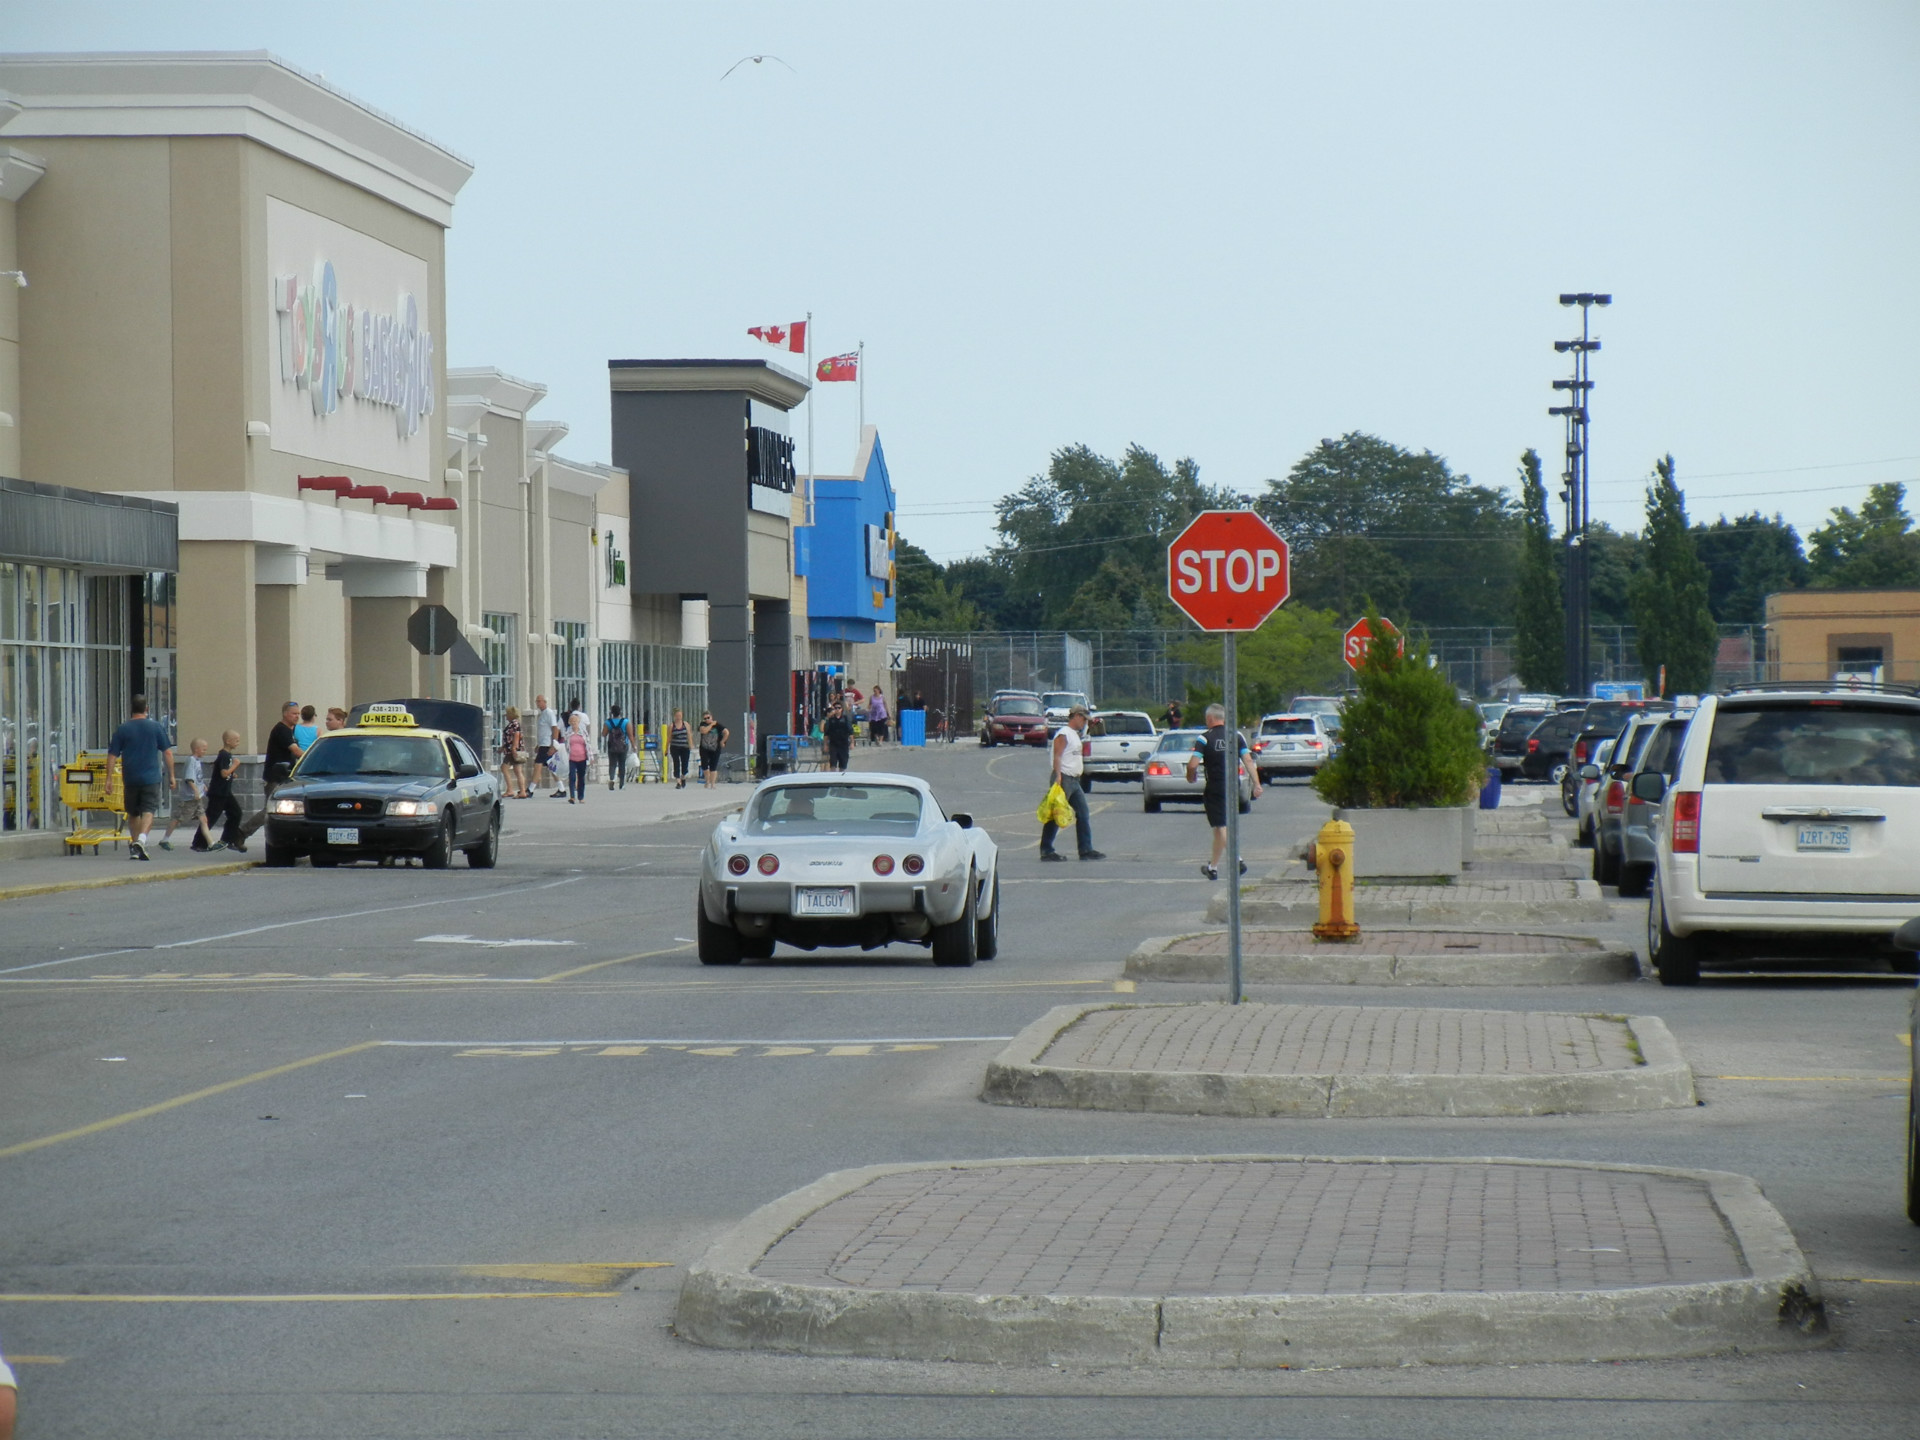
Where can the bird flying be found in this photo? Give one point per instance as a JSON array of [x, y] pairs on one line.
[[756, 59]]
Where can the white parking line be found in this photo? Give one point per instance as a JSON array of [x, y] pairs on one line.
[[289, 924]]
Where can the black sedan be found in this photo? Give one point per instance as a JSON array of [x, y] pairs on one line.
[[382, 789]]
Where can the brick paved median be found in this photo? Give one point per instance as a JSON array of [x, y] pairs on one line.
[[1238, 1260], [1338, 1060], [1472, 901], [1387, 957]]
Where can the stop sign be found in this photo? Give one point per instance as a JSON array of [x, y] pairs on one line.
[[1227, 570], [1354, 649]]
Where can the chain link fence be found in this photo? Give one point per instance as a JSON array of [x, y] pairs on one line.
[[1143, 669]]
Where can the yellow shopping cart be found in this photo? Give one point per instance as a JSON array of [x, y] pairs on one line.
[[92, 785]]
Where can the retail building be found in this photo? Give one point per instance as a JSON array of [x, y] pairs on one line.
[[843, 565], [1822, 634]]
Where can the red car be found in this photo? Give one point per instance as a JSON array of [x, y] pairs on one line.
[[1014, 720]]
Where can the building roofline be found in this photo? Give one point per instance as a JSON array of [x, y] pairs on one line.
[[250, 93], [759, 379]]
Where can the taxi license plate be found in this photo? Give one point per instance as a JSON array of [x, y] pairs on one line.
[[811, 901], [1825, 837], [343, 835]]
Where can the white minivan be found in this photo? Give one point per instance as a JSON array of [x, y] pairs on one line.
[[1794, 812]]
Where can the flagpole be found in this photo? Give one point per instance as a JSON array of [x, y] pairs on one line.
[[812, 380]]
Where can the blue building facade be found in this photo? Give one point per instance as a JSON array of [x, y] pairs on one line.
[[846, 555]]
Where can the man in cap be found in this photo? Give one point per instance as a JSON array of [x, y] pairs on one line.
[[1069, 764]]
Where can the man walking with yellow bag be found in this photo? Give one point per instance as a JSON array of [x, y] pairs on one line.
[[1069, 764]]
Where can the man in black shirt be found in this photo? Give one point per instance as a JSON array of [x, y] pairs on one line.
[[283, 750], [1213, 754], [837, 731]]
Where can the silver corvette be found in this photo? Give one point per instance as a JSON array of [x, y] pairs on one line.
[[848, 860]]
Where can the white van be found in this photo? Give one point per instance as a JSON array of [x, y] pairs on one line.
[[1793, 811]]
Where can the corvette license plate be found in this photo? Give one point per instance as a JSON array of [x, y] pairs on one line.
[[809, 900], [1825, 837], [343, 835]]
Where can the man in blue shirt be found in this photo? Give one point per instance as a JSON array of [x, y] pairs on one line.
[[143, 754]]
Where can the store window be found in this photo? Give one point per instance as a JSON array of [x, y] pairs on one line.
[[63, 646], [502, 676], [570, 663]]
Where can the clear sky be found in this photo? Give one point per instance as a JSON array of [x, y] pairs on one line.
[[1217, 230]]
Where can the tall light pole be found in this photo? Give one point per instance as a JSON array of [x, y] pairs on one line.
[[1579, 454]]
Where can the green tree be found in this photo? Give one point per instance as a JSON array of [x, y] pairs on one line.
[[1119, 596], [1748, 559], [1059, 529], [1369, 520], [1406, 741], [1539, 610], [1876, 549], [985, 583], [1297, 652], [1613, 559], [1669, 595]]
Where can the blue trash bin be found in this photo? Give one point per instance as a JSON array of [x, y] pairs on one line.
[[1490, 792], [913, 727]]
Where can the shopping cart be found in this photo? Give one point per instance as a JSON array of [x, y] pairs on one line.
[[92, 785]]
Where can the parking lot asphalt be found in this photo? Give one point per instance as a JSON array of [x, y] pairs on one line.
[[407, 1153]]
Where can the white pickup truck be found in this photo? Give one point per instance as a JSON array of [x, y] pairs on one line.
[[1117, 745]]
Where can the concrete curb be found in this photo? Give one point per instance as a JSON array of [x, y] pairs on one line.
[[138, 877], [1586, 903], [1018, 1077], [1776, 1307], [1582, 963]]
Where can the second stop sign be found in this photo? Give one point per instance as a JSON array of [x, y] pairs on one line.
[[1228, 570]]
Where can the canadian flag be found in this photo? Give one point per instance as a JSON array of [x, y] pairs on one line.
[[789, 337]]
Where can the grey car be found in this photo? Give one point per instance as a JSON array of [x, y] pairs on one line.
[[1166, 777], [1627, 836]]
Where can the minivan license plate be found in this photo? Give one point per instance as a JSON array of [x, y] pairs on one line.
[[343, 835], [811, 901], [1825, 837]]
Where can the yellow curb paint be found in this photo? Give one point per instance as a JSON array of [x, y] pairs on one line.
[[850, 1050], [714, 1050], [786, 1050], [147, 877], [598, 1275], [1819, 1079], [603, 964], [165, 1105], [303, 1299]]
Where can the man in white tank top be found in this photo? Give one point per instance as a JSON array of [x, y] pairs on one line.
[[1069, 763]]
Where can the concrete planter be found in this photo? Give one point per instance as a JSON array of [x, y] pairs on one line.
[[1410, 843]]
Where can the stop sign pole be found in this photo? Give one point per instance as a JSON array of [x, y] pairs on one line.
[[1227, 572]]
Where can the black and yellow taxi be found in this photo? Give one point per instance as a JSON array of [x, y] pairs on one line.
[[382, 788]]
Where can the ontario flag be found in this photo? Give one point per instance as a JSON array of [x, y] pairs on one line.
[[839, 367], [788, 337]]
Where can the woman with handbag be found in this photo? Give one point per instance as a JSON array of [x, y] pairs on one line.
[[513, 752]]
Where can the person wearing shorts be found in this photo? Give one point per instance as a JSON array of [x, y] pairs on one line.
[[142, 753], [713, 739], [190, 800], [1219, 791]]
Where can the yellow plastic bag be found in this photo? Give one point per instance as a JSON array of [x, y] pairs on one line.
[[1055, 809]]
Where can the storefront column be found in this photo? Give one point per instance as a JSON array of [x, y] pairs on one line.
[[772, 668], [729, 669], [218, 676], [274, 642], [383, 660]]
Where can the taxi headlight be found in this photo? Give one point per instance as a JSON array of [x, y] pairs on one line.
[[288, 807], [409, 807]]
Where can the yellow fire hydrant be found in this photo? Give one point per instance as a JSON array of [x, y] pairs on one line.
[[1333, 859]]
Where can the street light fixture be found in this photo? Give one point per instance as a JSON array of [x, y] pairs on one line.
[[1576, 494]]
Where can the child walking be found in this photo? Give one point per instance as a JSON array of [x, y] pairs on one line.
[[190, 803]]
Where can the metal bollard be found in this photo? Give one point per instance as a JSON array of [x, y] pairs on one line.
[[1333, 859]]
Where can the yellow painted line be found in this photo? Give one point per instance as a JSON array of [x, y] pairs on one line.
[[1905, 1039], [136, 877], [602, 964], [1123, 987], [714, 1050], [165, 1105], [489, 1052], [850, 1050], [1866, 1280], [774, 1050], [624, 1050], [36, 1359], [1820, 1079], [599, 1275], [304, 1299]]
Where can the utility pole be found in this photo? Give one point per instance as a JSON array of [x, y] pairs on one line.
[[1578, 491]]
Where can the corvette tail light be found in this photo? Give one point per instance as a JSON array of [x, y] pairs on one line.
[[769, 864], [1616, 796], [883, 864], [913, 864], [738, 865], [1686, 822]]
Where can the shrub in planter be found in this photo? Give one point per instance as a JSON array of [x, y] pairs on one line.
[[1406, 741]]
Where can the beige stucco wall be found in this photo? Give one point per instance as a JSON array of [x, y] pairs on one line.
[[575, 589], [769, 569], [1806, 628], [9, 343]]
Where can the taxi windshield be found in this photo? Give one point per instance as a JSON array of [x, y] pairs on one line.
[[410, 755]]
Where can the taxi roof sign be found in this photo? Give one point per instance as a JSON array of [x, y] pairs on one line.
[[395, 715]]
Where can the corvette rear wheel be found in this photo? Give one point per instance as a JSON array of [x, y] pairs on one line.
[[987, 932], [958, 944], [718, 944]]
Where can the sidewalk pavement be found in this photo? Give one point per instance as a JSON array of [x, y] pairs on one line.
[[1260, 1261], [1339, 1061], [1387, 957], [1478, 898]]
